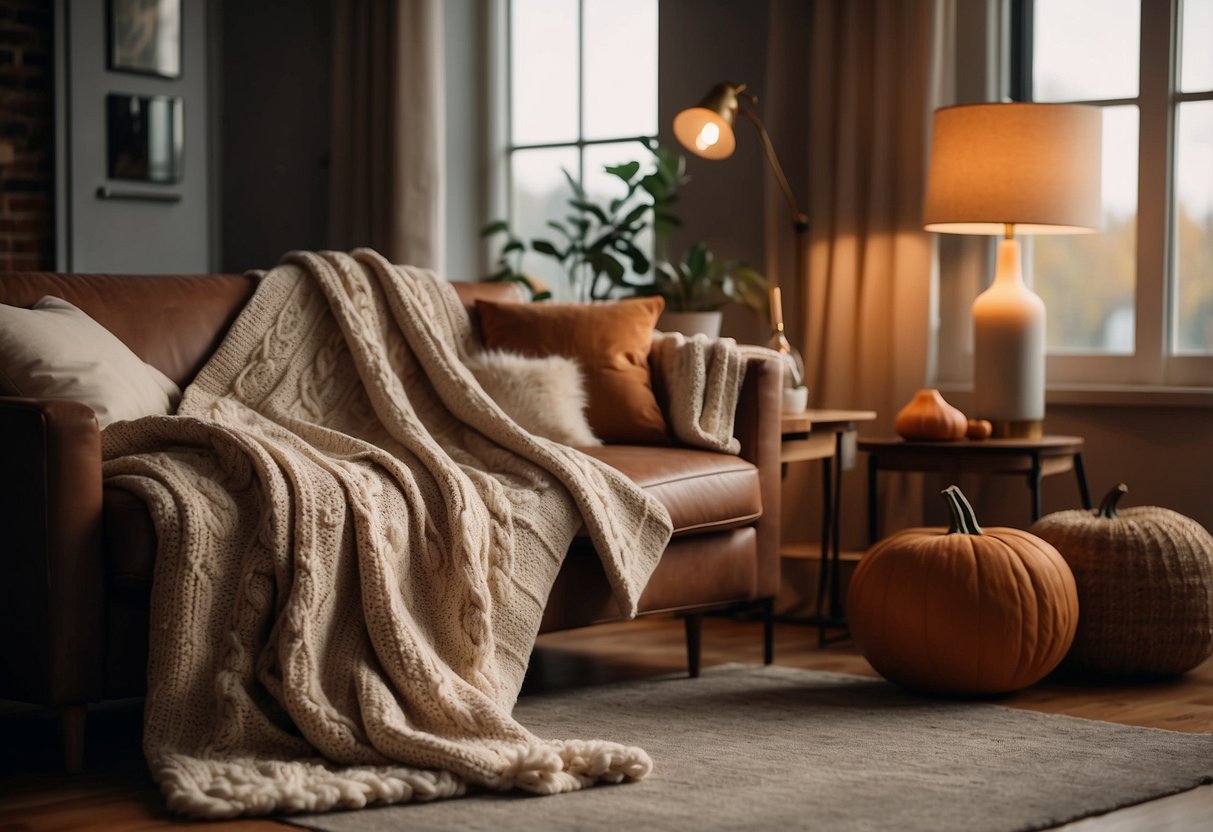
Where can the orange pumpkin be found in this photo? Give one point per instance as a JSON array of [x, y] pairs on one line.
[[962, 611], [1145, 582], [928, 418]]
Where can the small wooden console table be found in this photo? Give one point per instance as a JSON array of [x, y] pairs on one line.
[[1031, 458]]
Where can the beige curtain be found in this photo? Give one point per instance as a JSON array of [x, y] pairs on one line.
[[862, 77], [386, 185]]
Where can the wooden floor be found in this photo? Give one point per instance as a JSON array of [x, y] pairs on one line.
[[115, 793]]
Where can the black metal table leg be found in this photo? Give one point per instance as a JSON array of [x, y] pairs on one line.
[[826, 574], [836, 532], [1034, 485], [1080, 472], [872, 467]]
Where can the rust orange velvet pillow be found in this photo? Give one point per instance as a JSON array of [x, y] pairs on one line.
[[610, 341]]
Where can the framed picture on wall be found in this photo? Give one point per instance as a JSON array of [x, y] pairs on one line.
[[144, 137], [145, 37]]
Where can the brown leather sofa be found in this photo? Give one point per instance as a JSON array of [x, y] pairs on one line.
[[78, 556]]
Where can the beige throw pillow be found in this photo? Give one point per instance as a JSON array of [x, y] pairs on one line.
[[56, 351], [546, 396]]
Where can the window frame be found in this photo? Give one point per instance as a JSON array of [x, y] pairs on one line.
[[1153, 364], [509, 148]]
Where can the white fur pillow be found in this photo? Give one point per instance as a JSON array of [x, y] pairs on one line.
[[546, 396], [55, 351]]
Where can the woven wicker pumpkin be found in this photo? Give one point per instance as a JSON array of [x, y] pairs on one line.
[[1145, 585], [962, 611]]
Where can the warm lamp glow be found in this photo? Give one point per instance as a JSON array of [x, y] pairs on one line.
[[1002, 169], [1034, 166], [705, 133]]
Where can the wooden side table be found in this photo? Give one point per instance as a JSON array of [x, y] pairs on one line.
[[1030, 458], [825, 435]]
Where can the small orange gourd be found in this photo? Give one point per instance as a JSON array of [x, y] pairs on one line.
[[928, 418], [1145, 582], [962, 611], [979, 429]]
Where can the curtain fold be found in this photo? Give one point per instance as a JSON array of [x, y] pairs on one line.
[[863, 91], [387, 181]]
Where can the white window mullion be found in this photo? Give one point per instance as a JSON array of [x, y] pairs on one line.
[[1153, 188]]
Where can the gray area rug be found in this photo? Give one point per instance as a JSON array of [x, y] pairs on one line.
[[747, 747]]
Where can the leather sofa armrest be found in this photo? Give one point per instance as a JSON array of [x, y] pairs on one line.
[[757, 427], [52, 598]]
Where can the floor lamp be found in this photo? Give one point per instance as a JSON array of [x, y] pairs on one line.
[[707, 130]]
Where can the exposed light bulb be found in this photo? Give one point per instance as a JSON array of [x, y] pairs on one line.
[[708, 136]]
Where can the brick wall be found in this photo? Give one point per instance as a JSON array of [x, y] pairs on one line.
[[27, 135]]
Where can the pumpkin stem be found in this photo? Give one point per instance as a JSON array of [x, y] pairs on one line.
[[964, 520], [1107, 507]]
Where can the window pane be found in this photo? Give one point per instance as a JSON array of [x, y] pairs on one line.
[[1088, 281], [602, 187], [1085, 50], [620, 81], [543, 71], [1196, 69], [540, 193], [1193, 256]]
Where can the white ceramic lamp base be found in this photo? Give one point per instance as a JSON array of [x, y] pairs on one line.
[[1009, 351]]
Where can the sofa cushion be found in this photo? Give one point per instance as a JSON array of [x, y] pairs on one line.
[[173, 322], [702, 490], [55, 351], [610, 341]]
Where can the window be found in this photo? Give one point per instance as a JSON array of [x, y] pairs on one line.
[[1134, 303], [578, 101]]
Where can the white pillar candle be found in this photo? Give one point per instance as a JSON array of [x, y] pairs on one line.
[[1009, 346]]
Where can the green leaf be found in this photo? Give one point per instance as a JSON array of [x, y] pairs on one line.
[[665, 223], [564, 231], [590, 207], [697, 259], [544, 295], [625, 171], [635, 214], [495, 227], [640, 262], [513, 245], [604, 262], [577, 189], [546, 247], [655, 185]]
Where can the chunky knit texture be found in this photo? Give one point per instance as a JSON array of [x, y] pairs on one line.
[[356, 546], [702, 377]]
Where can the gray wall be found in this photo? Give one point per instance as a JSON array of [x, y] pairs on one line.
[[124, 235], [274, 129], [702, 43]]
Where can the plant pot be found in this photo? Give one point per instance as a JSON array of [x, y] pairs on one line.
[[795, 399], [691, 323]]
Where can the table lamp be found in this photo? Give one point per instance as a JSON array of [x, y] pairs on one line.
[[1001, 169]]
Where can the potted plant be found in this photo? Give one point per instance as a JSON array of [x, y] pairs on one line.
[[596, 245], [597, 249], [698, 285]]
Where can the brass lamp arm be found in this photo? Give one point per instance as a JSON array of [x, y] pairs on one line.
[[800, 220]]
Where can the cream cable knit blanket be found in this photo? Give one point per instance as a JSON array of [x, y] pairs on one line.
[[356, 546]]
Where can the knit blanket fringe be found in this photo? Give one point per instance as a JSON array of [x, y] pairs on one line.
[[355, 549]]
